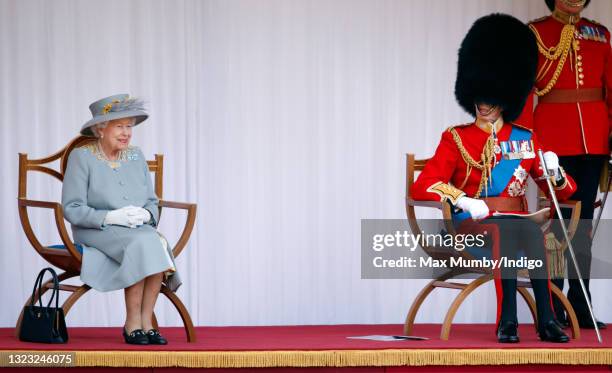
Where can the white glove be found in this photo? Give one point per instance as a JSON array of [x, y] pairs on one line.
[[140, 214], [552, 163], [475, 207], [128, 216], [119, 217]]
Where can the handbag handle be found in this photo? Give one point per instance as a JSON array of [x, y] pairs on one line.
[[38, 285]]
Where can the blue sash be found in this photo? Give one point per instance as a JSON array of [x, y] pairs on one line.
[[501, 174]]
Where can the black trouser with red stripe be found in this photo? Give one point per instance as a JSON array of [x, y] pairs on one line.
[[585, 170], [521, 235]]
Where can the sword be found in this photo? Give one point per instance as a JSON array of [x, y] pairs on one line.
[[553, 196], [603, 201]]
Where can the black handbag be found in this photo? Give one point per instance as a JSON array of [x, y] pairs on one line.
[[44, 324]]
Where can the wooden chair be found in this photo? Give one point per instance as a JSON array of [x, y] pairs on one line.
[[68, 256], [484, 275]]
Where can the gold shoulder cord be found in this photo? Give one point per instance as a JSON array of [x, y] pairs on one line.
[[486, 158], [552, 54]]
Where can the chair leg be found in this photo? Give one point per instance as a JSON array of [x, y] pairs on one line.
[[454, 307], [180, 307], [416, 304], [154, 321], [567, 306], [530, 303], [61, 277], [418, 301], [74, 297]]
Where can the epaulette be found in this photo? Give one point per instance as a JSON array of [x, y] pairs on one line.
[[595, 22], [523, 127], [458, 126], [538, 20]]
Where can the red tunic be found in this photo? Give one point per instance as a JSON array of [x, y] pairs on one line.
[[446, 170], [573, 128]]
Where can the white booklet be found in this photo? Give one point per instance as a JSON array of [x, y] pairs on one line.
[[390, 338], [540, 216]]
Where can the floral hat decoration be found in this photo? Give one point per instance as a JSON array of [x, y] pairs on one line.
[[115, 107]]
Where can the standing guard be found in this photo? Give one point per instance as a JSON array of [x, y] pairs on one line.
[[573, 118]]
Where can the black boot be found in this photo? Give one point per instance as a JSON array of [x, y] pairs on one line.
[[578, 301], [551, 332], [586, 322], [548, 328], [507, 332]]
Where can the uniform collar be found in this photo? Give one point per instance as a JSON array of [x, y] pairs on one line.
[[486, 126], [566, 18]]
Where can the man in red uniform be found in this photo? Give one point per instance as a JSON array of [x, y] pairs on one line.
[[482, 167], [573, 118]]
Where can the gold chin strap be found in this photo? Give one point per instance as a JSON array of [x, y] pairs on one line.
[[565, 17]]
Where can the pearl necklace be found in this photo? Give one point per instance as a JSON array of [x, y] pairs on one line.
[[111, 163]]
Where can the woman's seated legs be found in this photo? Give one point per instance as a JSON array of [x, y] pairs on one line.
[[140, 301], [133, 306], [152, 286]]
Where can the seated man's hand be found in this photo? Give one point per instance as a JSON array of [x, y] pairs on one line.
[[475, 207], [552, 164], [552, 160]]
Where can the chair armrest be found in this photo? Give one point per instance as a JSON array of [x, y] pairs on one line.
[[569, 203], [189, 224], [435, 204], [177, 205], [442, 206], [23, 204]]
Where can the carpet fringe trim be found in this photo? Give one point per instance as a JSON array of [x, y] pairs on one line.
[[342, 358]]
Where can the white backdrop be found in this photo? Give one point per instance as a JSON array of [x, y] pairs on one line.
[[285, 120]]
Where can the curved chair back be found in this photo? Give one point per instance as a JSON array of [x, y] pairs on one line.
[[413, 167], [69, 259]]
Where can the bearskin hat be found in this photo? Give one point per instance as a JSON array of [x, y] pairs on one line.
[[551, 4], [497, 65]]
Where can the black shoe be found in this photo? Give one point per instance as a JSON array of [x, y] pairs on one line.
[[507, 332], [587, 323], [137, 337], [155, 338], [551, 332]]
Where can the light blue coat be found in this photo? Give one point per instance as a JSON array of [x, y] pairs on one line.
[[114, 257]]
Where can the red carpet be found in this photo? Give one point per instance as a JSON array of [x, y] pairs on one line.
[[319, 337], [474, 345]]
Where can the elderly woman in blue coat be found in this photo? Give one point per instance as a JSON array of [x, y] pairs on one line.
[[108, 198]]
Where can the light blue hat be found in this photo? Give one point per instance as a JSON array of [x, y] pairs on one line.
[[114, 107]]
